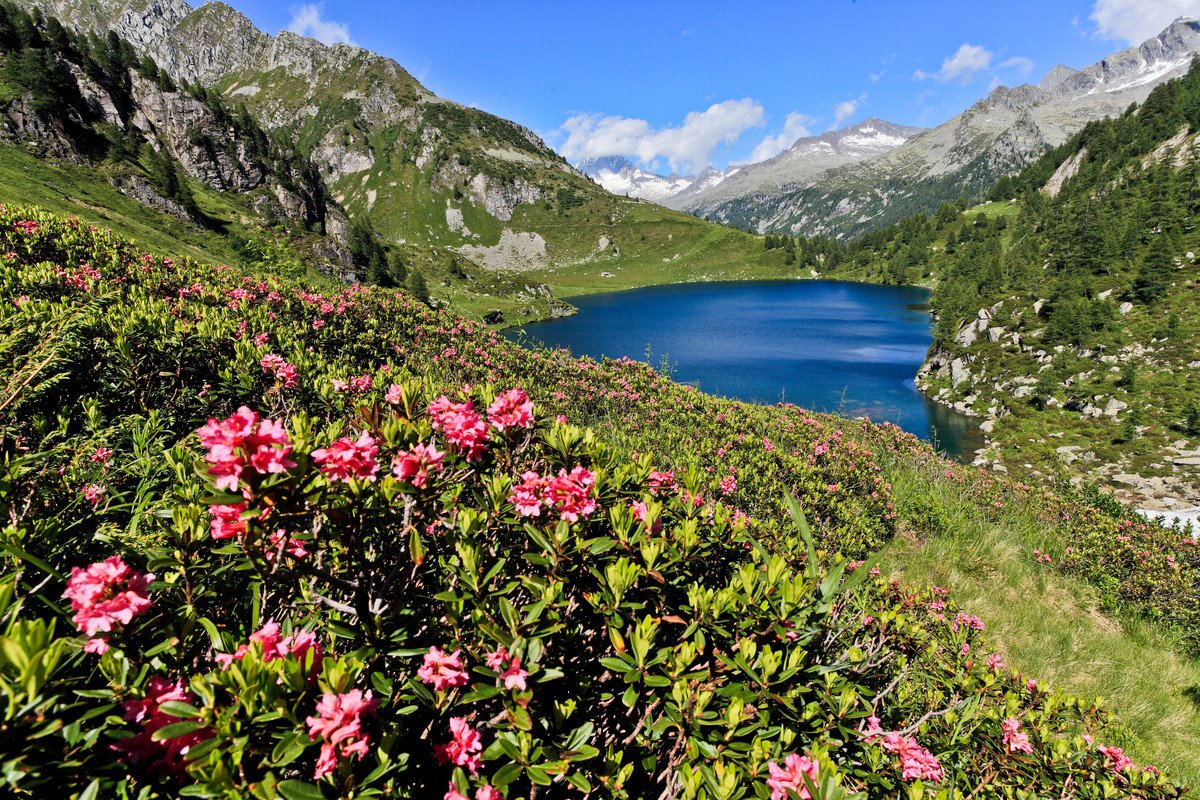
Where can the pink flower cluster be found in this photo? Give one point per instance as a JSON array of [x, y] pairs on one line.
[[970, 620], [338, 722], [915, 761], [242, 441], [462, 426], [790, 777], [511, 409], [159, 757], [442, 671], [106, 594], [284, 372], [348, 458], [1014, 739], [227, 522], [661, 480], [509, 668], [1117, 758], [276, 647], [418, 464], [728, 485], [463, 749], [568, 493]]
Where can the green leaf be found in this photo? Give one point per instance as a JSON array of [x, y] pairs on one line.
[[299, 790], [178, 708], [176, 729]]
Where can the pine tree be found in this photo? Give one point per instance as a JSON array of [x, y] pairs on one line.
[[417, 286]]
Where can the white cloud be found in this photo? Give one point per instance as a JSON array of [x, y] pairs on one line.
[[795, 127], [1137, 20], [968, 60], [1021, 64], [686, 148], [843, 111], [307, 21]]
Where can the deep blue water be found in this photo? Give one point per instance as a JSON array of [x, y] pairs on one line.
[[850, 348]]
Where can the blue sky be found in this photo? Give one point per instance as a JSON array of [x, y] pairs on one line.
[[680, 85]]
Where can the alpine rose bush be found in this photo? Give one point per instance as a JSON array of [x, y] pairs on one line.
[[562, 603]]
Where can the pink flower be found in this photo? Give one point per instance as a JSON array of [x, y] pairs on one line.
[[970, 620], [1031, 685], [227, 521], [1014, 739], [661, 480], [728, 485], [570, 493], [242, 440], [283, 371], [1117, 758], [338, 723], [915, 761], [527, 496], [791, 777], [394, 394], [416, 465], [453, 793], [102, 454], [106, 594], [497, 659], [160, 757], [462, 426], [486, 792], [514, 677], [463, 749], [276, 647], [995, 663], [442, 671], [872, 731], [640, 511], [347, 458], [512, 409], [94, 493]]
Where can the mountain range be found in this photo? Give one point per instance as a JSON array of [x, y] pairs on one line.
[[875, 173]]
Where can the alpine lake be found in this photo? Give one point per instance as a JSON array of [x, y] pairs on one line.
[[847, 348]]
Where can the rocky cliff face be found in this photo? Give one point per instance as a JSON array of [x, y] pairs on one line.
[[207, 149]]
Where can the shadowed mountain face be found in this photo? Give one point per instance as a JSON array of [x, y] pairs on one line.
[[996, 136]]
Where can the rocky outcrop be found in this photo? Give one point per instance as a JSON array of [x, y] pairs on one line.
[[501, 198], [21, 123], [147, 195], [207, 150], [515, 252], [1065, 172]]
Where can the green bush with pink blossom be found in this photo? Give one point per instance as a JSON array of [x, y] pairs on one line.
[[258, 543]]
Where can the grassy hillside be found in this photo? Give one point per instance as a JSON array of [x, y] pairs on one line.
[[671, 624], [1050, 625]]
